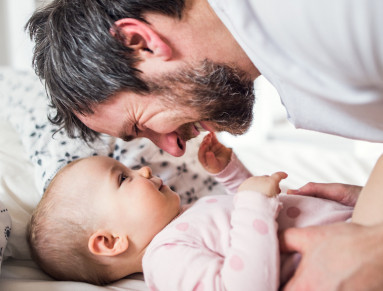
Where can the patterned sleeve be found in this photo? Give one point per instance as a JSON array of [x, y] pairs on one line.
[[253, 258], [233, 175], [250, 262]]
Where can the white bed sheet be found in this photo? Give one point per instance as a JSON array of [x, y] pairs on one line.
[[272, 145]]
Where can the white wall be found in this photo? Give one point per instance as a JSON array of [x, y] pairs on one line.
[[15, 46], [3, 34]]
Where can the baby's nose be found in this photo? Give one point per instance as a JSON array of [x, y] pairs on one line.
[[146, 172]]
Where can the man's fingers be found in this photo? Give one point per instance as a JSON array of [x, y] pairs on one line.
[[293, 191], [294, 240], [343, 193], [308, 189]]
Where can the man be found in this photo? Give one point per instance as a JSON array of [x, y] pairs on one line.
[[165, 69], [109, 69]]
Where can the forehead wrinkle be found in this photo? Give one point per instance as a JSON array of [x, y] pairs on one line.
[[133, 112], [142, 112]]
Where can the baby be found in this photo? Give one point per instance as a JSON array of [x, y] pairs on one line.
[[99, 221]]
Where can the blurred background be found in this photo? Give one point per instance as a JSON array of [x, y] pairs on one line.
[[15, 46]]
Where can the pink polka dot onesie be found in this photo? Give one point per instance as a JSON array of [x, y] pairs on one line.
[[230, 242]]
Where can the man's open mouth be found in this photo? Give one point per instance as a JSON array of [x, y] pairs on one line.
[[199, 127], [189, 131], [179, 143]]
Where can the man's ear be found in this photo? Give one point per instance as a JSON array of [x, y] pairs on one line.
[[139, 36], [104, 243]]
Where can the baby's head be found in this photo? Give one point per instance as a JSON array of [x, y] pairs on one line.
[[96, 219]]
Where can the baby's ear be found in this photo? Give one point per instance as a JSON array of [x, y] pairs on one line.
[[104, 243]]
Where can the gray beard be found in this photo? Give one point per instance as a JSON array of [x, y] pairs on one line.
[[217, 92]]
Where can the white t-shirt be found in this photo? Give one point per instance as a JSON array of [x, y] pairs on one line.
[[325, 59]]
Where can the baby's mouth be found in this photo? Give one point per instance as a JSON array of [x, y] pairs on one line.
[[161, 185]]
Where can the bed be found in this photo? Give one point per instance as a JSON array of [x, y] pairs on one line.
[[30, 155]]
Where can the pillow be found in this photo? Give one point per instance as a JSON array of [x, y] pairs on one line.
[[5, 230], [30, 156], [18, 191]]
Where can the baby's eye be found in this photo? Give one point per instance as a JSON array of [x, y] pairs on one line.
[[122, 178]]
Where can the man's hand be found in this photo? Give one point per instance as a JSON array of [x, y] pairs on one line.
[[342, 256], [267, 185], [342, 193], [213, 155]]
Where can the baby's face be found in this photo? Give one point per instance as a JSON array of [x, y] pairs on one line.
[[124, 200]]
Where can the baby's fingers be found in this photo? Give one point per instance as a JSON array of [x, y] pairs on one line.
[[213, 138], [212, 164], [203, 149], [279, 176]]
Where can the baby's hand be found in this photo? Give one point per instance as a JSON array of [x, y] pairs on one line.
[[213, 155], [267, 185]]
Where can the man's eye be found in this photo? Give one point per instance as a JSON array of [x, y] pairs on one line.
[[136, 130], [128, 138]]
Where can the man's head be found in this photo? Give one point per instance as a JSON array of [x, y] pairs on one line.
[[210, 97], [132, 53], [96, 218]]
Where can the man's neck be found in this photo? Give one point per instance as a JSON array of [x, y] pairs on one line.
[[218, 33], [200, 35]]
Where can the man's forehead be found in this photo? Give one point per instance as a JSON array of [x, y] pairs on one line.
[[112, 122]]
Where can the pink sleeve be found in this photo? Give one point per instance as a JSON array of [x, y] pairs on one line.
[[233, 175], [251, 261]]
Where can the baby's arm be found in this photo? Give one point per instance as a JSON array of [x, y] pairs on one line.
[[369, 207], [222, 163], [253, 258], [250, 257]]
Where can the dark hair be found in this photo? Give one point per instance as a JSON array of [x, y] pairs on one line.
[[80, 61]]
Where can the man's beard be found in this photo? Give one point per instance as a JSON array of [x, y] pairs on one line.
[[217, 92]]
